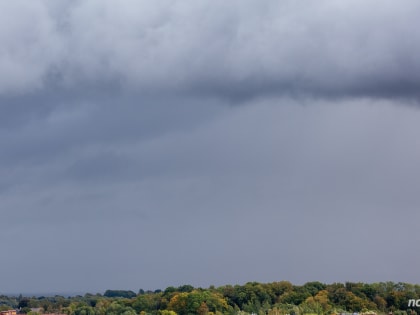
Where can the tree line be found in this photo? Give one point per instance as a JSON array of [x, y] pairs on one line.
[[276, 298]]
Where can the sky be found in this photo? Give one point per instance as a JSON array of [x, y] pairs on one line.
[[147, 144]]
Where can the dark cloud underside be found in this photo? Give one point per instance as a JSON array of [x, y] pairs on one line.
[[155, 144]]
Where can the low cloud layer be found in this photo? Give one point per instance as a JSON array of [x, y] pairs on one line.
[[153, 144], [236, 49]]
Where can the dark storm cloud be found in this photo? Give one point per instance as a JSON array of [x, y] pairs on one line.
[[118, 139], [236, 49], [240, 49]]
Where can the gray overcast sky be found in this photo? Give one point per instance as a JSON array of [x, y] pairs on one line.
[[145, 144]]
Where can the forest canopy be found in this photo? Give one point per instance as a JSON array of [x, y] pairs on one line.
[[276, 298]]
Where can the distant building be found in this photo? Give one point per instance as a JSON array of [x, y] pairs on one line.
[[8, 312]]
